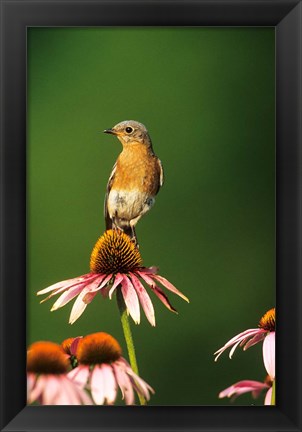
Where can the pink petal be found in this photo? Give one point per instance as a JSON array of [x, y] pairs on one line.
[[257, 338], [237, 340], [269, 354], [67, 283], [163, 298], [73, 292], [242, 387], [233, 349], [31, 379], [124, 383], [99, 285], [268, 397], [63, 397], [66, 297], [141, 386], [97, 386], [86, 400], [151, 270], [118, 279], [109, 384], [37, 389], [51, 390], [74, 345], [170, 287], [71, 391], [78, 307], [159, 293], [79, 375], [144, 298], [131, 299], [77, 396], [89, 297]]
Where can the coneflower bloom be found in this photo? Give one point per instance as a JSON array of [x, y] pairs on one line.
[[102, 369], [47, 380], [115, 264], [265, 332], [246, 386]]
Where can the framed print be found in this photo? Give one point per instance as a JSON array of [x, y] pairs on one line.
[[200, 215]]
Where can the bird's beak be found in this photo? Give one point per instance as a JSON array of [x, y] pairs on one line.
[[110, 131]]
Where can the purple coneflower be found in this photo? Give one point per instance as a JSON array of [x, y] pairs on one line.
[[246, 386], [102, 369], [248, 338], [115, 264], [47, 380]]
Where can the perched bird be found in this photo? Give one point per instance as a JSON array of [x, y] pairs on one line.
[[135, 179]]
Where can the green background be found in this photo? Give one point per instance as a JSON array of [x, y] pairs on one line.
[[207, 97]]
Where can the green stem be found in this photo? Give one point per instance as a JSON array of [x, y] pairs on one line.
[[128, 337], [273, 399]]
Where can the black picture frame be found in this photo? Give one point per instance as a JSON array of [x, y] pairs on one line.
[[16, 16]]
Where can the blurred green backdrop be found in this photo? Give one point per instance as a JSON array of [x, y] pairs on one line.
[[207, 97]]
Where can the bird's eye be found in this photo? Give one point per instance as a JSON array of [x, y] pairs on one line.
[[129, 129]]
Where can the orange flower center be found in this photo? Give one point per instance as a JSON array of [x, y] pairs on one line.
[[98, 348], [268, 321], [114, 252], [47, 358]]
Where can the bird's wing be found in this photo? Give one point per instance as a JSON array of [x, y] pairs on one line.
[[108, 221]]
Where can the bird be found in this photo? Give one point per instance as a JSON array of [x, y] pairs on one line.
[[135, 180]]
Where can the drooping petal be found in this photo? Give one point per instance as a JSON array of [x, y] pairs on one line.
[[257, 338], [144, 298], [169, 286], [151, 270], [242, 387], [163, 298], [86, 400], [89, 296], [233, 349], [78, 307], [269, 354], [268, 397], [51, 389], [131, 299], [138, 383], [110, 387], [67, 283], [79, 375], [66, 297], [118, 279], [124, 383], [74, 393], [31, 379], [64, 397], [37, 390], [237, 340], [101, 283], [159, 293], [71, 391], [97, 385]]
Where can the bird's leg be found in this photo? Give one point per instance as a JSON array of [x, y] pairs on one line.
[[133, 234], [134, 238]]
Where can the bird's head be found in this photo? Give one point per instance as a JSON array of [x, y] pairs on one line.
[[130, 132]]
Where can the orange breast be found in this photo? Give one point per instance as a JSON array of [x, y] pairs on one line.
[[137, 169]]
